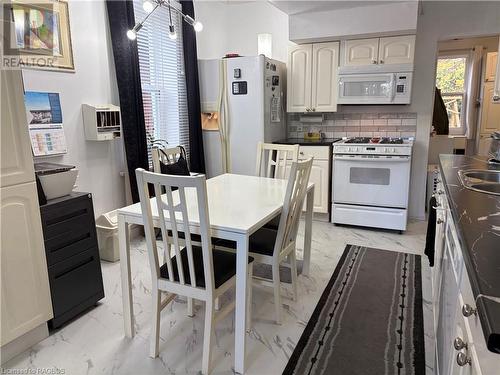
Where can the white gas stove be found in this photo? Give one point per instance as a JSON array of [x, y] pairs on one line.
[[371, 181]]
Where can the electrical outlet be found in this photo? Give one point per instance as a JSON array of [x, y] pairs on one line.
[[300, 128]]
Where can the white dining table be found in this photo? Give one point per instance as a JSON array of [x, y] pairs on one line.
[[238, 206]]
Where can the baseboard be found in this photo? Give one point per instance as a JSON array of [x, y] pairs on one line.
[[24, 342]]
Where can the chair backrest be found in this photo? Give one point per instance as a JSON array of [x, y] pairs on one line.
[[292, 206], [273, 164], [165, 155], [174, 204]]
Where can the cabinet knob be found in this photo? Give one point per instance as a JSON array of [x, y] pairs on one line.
[[381, 61], [439, 221], [440, 192], [374, 61], [468, 310], [301, 153], [313, 109], [459, 344], [463, 360]]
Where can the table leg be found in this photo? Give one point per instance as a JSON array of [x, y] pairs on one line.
[[124, 244], [308, 232], [241, 303]]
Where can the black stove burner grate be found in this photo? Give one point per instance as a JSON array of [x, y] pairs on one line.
[[391, 141], [384, 141], [358, 140]]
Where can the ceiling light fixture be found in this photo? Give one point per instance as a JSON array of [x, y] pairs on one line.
[[150, 7]]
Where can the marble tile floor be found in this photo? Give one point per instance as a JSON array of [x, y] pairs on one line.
[[94, 343]]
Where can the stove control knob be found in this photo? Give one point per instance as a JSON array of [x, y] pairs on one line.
[[387, 149]]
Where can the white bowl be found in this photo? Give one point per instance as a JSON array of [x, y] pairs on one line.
[[57, 185]]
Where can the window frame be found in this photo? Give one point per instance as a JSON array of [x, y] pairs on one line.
[[157, 86], [462, 129]]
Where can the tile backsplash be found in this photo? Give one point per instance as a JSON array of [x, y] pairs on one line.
[[335, 125]]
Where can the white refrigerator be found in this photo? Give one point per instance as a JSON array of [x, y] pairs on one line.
[[247, 94]]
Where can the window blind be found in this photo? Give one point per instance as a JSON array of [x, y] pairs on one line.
[[161, 63]]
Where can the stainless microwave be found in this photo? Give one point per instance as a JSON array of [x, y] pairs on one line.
[[374, 88]]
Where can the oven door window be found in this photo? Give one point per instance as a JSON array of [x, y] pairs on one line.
[[370, 176]]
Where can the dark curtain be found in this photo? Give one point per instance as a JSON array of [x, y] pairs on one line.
[[440, 115], [121, 19], [196, 155]]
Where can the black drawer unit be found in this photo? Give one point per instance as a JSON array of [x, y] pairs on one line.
[[72, 255]]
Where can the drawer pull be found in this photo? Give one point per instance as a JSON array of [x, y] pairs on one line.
[[468, 310], [70, 215], [459, 344], [439, 221], [463, 360], [72, 241], [301, 153], [75, 267]]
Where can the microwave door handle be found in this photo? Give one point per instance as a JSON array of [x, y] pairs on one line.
[[393, 87]]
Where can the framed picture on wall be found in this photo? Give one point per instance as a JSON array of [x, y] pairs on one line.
[[42, 36]]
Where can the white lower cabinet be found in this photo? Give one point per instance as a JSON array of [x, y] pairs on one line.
[[26, 301], [320, 173], [460, 343]]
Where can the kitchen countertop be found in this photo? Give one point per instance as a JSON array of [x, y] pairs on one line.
[[308, 142], [477, 219]]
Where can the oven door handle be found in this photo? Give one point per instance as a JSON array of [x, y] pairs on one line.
[[383, 159]]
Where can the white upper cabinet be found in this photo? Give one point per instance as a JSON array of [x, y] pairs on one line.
[[359, 52], [16, 160], [299, 78], [491, 66], [396, 50], [312, 77], [324, 77], [377, 52]]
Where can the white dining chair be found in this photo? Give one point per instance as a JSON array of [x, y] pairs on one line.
[[272, 159], [274, 247], [198, 272]]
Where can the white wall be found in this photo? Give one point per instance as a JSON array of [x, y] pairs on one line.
[[232, 27], [440, 21], [381, 19], [93, 82]]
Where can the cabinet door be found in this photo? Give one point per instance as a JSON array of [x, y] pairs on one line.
[[299, 78], [397, 50], [491, 66], [490, 112], [320, 180], [448, 303], [319, 176], [359, 52], [461, 331], [26, 301], [16, 159], [324, 77]]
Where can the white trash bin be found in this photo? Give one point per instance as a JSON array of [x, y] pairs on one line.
[[107, 236]]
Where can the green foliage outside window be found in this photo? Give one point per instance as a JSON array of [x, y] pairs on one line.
[[450, 76]]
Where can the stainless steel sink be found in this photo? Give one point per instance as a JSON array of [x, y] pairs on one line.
[[484, 181]]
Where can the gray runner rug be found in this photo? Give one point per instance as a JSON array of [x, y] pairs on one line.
[[369, 319]]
